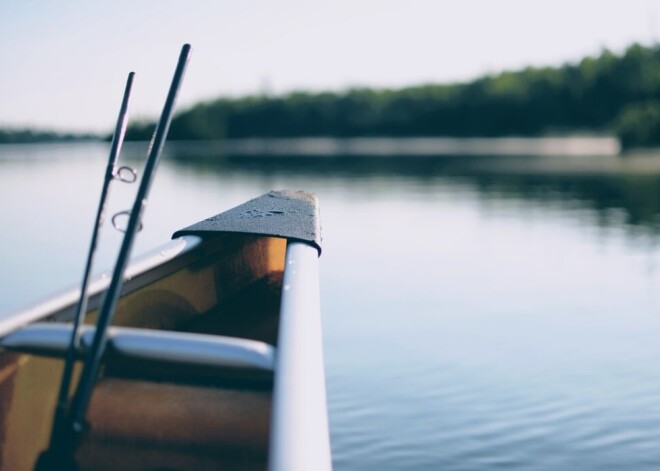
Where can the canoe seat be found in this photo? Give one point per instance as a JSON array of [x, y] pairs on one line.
[[153, 348]]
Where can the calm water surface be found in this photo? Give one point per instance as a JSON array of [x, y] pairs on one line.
[[479, 313]]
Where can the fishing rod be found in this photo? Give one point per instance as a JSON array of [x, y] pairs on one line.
[[112, 172], [60, 455], [93, 358]]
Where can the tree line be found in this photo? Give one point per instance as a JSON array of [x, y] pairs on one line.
[[610, 93], [24, 135]]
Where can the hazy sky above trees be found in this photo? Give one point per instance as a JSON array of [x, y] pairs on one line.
[[64, 63]]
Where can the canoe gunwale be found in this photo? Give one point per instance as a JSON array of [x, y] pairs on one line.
[[299, 438]]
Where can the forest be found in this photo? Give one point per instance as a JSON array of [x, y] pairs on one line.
[[609, 94], [20, 136]]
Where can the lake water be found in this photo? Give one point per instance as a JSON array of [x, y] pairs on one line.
[[479, 313]]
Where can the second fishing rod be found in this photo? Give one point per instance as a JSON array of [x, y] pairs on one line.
[[93, 359], [73, 425]]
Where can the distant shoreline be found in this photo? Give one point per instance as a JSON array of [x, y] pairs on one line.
[[615, 95], [33, 136], [574, 145], [564, 145]]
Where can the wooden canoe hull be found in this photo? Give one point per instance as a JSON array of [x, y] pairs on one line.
[[231, 288]]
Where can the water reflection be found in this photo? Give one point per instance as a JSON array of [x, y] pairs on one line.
[[484, 312], [479, 312], [623, 191]]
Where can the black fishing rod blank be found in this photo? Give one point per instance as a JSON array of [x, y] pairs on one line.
[[89, 375]]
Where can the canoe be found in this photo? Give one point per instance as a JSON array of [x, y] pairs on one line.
[[214, 359]]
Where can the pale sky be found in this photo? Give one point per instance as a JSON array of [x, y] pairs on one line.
[[63, 64]]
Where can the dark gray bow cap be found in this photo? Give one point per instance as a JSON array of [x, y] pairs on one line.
[[288, 214]]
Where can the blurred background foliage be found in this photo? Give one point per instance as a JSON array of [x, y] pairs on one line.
[[17, 136], [609, 94]]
